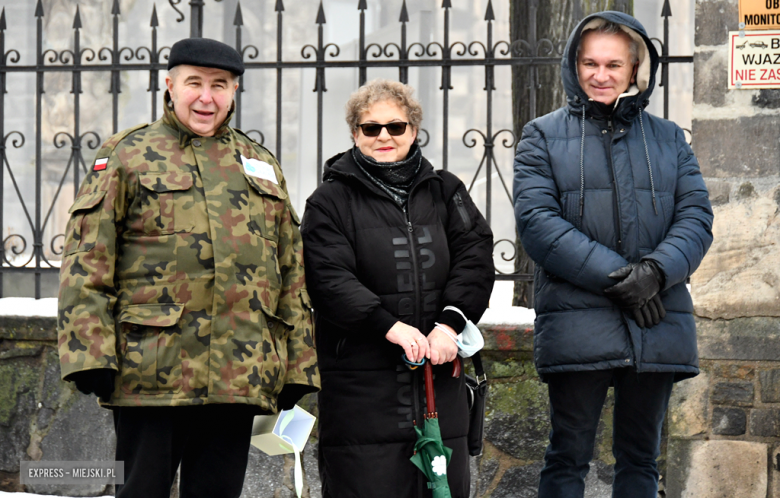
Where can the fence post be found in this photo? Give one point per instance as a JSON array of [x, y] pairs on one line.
[[196, 18], [666, 13], [2, 139], [37, 235]]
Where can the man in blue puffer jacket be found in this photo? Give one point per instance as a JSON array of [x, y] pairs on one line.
[[612, 208]]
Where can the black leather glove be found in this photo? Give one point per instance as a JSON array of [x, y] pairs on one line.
[[99, 381], [650, 314], [291, 394], [638, 283]]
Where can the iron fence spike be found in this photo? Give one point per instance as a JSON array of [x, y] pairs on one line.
[[239, 19], [667, 10], [489, 15], [446, 4], [154, 23], [320, 15], [362, 5], [77, 19], [115, 8], [2, 20], [279, 6], [404, 13], [39, 9]]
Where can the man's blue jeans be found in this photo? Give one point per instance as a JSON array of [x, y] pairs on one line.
[[576, 400]]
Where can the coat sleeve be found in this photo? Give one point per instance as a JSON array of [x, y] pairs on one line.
[[552, 242], [331, 268], [87, 293], [294, 307], [472, 274], [690, 234]]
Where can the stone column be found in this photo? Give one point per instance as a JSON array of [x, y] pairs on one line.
[[724, 424]]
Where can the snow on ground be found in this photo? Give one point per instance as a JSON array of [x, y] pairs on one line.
[[512, 315], [27, 306], [501, 310]]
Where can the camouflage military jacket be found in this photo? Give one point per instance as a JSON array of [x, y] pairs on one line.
[[183, 270]]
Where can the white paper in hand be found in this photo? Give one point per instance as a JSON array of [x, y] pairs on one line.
[[286, 432], [259, 169]]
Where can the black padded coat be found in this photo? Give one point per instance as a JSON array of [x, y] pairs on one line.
[[368, 265]]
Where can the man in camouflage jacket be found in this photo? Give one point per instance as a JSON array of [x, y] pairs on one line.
[[182, 284]]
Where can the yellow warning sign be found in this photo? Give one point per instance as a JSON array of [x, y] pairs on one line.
[[759, 14]]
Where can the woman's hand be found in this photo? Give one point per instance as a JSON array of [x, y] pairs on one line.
[[443, 348], [414, 343]]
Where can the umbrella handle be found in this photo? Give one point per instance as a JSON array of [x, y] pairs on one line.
[[430, 398], [457, 367]]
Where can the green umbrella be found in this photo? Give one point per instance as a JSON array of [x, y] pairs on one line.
[[430, 454]]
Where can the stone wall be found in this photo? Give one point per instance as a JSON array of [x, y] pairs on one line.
[[43, 418], [517, 422], [724, 425]]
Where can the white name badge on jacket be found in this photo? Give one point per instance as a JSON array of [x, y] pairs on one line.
[[259, 169]]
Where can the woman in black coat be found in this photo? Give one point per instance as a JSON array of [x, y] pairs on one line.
[[388, 244]]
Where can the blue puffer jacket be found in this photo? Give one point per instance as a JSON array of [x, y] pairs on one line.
[[643, 197]]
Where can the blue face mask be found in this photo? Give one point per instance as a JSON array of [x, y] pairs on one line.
[[470, 341]]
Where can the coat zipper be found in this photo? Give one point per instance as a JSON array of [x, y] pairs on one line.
[[615, 188], [462, 211], [417, 296], [418, 414], [619, 225]]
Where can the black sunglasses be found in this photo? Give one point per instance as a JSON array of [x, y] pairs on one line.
[[396, 128]]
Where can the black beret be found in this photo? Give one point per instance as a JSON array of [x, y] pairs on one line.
[[205, 52]]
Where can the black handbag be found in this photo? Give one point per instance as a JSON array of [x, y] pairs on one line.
[[477, 396]]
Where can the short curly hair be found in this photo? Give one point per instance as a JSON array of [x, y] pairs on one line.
[[380, 90]]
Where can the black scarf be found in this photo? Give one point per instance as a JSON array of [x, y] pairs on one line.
[[601, 111], [394, 178]]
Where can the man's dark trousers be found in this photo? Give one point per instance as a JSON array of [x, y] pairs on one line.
[[576, 400], [211, 442]]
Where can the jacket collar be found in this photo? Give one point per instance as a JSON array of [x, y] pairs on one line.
[[343, 165], [185, 134]]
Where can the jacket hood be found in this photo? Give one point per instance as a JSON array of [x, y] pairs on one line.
[[638, 94]]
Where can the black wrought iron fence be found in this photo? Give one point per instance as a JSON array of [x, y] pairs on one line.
[[17, 260]]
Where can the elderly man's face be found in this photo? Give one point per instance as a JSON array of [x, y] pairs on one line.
[[201, 97], [604, 66]]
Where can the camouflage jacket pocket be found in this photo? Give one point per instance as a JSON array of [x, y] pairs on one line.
[[150, 348], [82, 230], [266, 205], [165, 197], [275, 343]]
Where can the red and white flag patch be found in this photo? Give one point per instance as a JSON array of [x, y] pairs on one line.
[[100, 164]]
